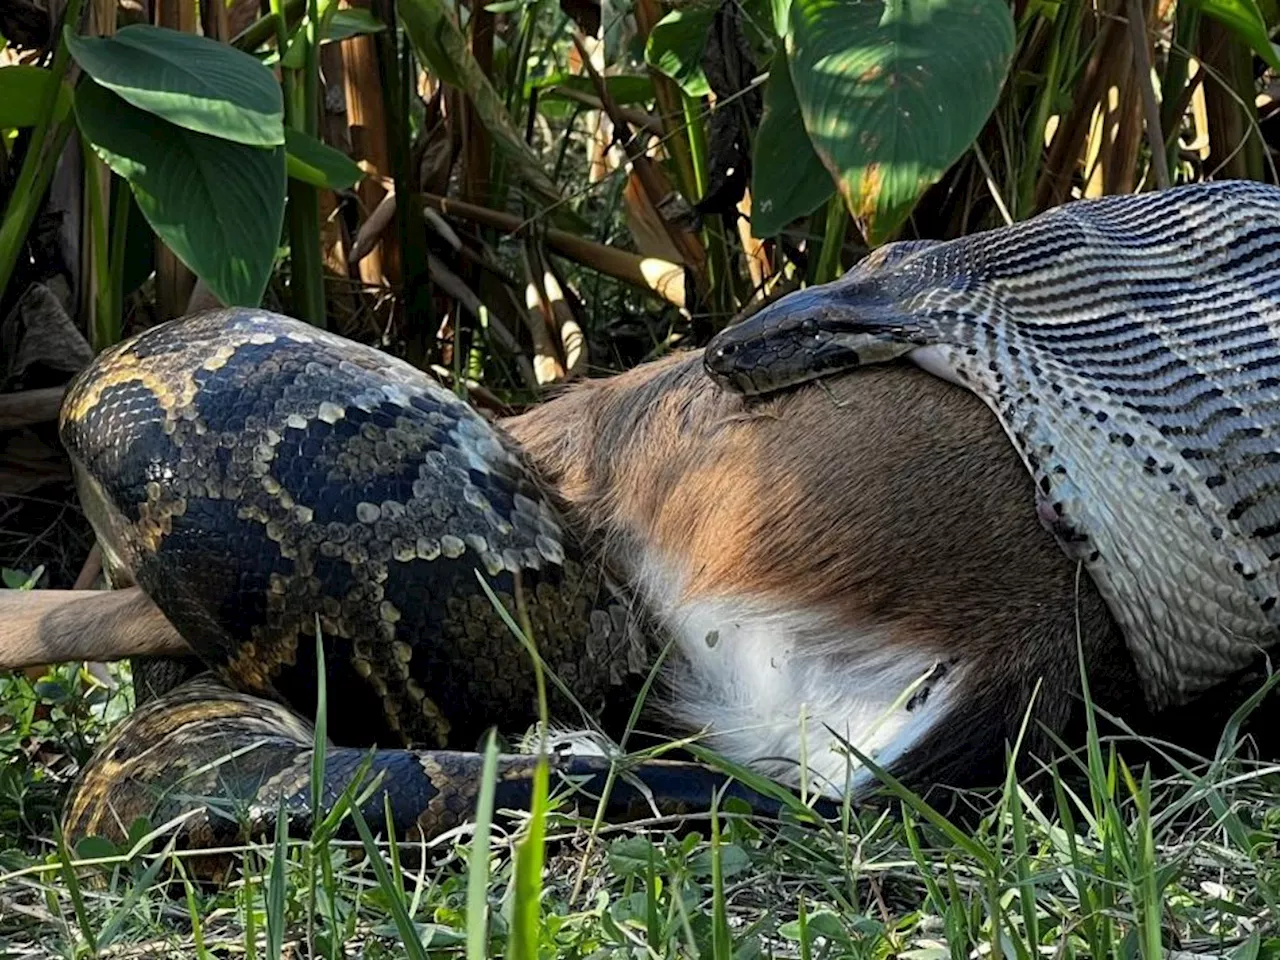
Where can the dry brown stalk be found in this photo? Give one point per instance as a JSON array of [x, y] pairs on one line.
[[27, 408], [660, 277], [656, 189], [367, 124]]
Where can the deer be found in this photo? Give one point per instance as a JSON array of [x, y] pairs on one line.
[[855, 563]]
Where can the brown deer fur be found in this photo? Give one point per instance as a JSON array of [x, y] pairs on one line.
[[887, 503], [53, 626], [888, 498]]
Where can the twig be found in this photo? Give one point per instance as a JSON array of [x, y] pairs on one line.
[[30, 407], [637, 118], [1142, 66], [661, 277]]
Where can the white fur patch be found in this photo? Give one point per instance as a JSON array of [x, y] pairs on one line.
[[777, 688], [576, 741], [935, 360]]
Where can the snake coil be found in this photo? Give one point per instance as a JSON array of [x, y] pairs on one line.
[[259, 478]]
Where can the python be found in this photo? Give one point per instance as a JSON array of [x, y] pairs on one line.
[[854, 562]]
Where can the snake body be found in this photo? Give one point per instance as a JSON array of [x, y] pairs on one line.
[[260, 478], [1130, 347]]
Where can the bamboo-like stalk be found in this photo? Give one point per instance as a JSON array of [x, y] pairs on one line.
[[540, 319], [215, 22], [1174, 90], [723, 284], [301, 112], [1235, 149], [659, 277], [1065, 152], [691, 251], [667, 96], [1120, 164], [398, 73], [367, 123], [1066, 28], [1142, 67], [477, 148], [97, 298], [334, 240]]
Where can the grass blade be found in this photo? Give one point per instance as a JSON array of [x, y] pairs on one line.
[[478, 860]]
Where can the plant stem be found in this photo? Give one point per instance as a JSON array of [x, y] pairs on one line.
[[397, 75], [306, 269], [720, 276], [1151, 109], [1175, 80], [832, 241], [256, 34], [47, 140], [100, 333], [697, 144], [119, 241], [1024, 201]]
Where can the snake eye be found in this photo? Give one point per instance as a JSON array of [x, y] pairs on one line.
[[809, 326], [727, 350]]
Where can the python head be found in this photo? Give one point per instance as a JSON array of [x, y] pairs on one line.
[[863, 317], [809, 334]]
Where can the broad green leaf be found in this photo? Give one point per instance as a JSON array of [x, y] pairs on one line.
[[351, 22], [788, 179], [822, 923], [338, 25], [22, 96], [317, 163], [194, 82], [440, 46], [676, 44], [894, 91], [19, 580], [218, 205], [733, 861], [631, 856], [1245, 20]]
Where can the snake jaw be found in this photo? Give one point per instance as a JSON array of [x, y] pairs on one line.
[[809, 334], [737, 367]]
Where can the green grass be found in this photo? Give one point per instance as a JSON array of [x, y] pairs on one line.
[[1106, 861]]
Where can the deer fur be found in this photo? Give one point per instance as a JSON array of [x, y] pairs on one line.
[[857, 560], [814, 553], [56, 626]]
